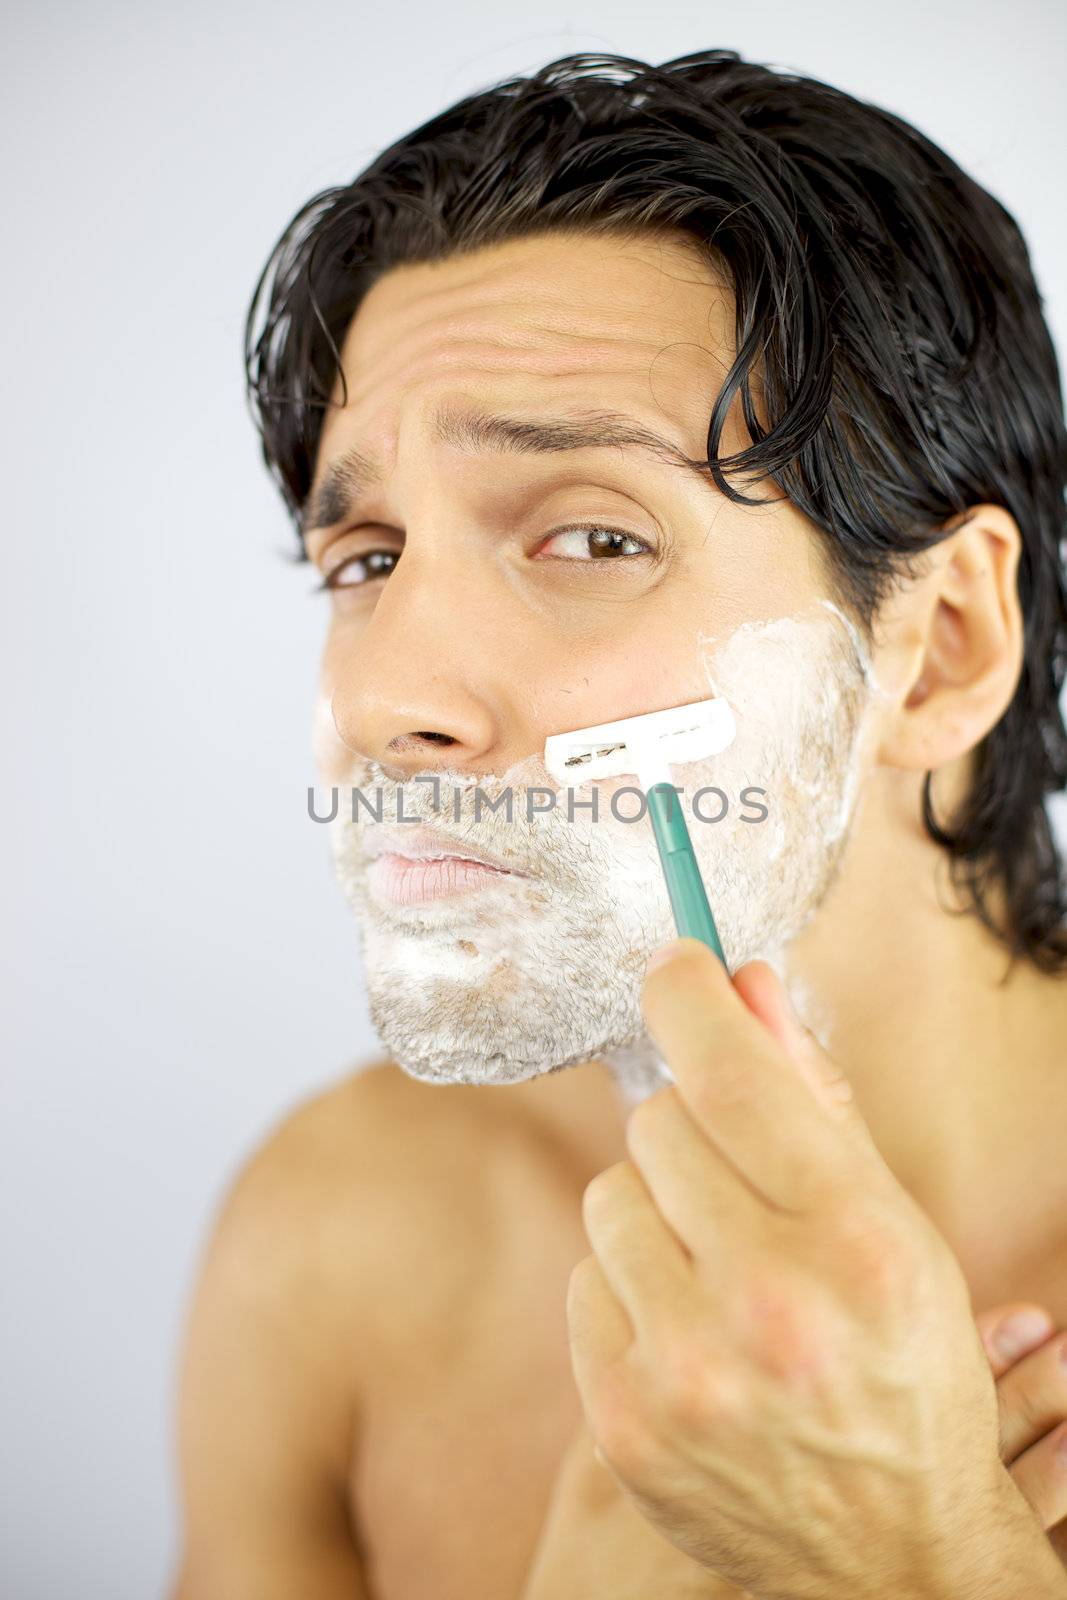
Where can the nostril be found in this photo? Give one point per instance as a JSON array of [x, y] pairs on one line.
[[409, 741]]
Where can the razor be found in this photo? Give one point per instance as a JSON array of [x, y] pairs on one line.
[[647, 746]]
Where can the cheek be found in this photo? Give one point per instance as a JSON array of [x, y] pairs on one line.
[[635, 675]]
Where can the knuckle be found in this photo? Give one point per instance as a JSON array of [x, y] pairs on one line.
[[875, 1255], [696, 1393], [788, 1337]]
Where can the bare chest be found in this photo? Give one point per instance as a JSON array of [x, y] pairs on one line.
[[467, 1421], [470, 1413]]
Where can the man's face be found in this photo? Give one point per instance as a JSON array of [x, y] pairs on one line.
[[473, 614]]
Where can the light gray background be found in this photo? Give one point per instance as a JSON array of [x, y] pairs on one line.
[[179, 966]]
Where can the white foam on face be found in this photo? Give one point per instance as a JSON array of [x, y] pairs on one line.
[[800, 687], [528, 974], [541, 971]]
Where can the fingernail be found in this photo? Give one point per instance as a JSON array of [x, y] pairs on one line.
[[1021, 1332]]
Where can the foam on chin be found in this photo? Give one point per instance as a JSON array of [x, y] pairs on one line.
[[532, 974]]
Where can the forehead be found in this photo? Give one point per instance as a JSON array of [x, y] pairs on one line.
[[557, 323]]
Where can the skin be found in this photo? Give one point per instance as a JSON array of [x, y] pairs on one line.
[[774, 1347], [641, 329], [958, 1078], [595, 1539]]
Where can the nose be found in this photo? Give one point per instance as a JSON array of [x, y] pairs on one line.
[[411, 691]]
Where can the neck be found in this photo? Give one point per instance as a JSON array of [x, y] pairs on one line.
[[957, 1057]]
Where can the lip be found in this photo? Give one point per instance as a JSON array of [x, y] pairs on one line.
[[418, 864], [404, 881]]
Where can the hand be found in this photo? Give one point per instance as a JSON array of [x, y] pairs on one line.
[[773, 1344], [596, 1542], [1032, 1402]]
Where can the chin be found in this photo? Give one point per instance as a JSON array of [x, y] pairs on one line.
[[444, 1066], [493, 1051]]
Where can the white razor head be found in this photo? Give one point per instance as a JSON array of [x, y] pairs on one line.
[[611, 749]]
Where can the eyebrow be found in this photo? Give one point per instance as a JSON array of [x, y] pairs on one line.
[[350, 475]]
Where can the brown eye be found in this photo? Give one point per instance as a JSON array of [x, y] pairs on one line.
[[360, 569], [594, 543]]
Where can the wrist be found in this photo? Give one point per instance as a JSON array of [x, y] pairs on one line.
[[999, 1556]]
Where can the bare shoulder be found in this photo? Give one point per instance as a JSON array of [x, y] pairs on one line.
[[374, 1126], [337, 1234], [284, 1257], [359, 1200], [321, 1236], [368, 1206]]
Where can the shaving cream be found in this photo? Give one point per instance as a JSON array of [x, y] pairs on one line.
[[543, 969]]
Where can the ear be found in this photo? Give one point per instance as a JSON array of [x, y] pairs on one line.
[[951, 643]]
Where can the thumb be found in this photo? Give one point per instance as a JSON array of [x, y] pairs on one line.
[[766, 997]]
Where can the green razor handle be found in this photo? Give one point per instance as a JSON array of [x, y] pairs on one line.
[[689, 902]]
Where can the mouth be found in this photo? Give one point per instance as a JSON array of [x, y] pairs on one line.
[[418, 864]]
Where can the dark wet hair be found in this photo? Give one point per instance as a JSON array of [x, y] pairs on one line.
[[885, 307]]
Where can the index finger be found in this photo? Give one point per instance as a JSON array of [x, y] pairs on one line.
[[739, 1085]]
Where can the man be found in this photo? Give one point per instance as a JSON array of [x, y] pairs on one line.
[[484, 385]]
